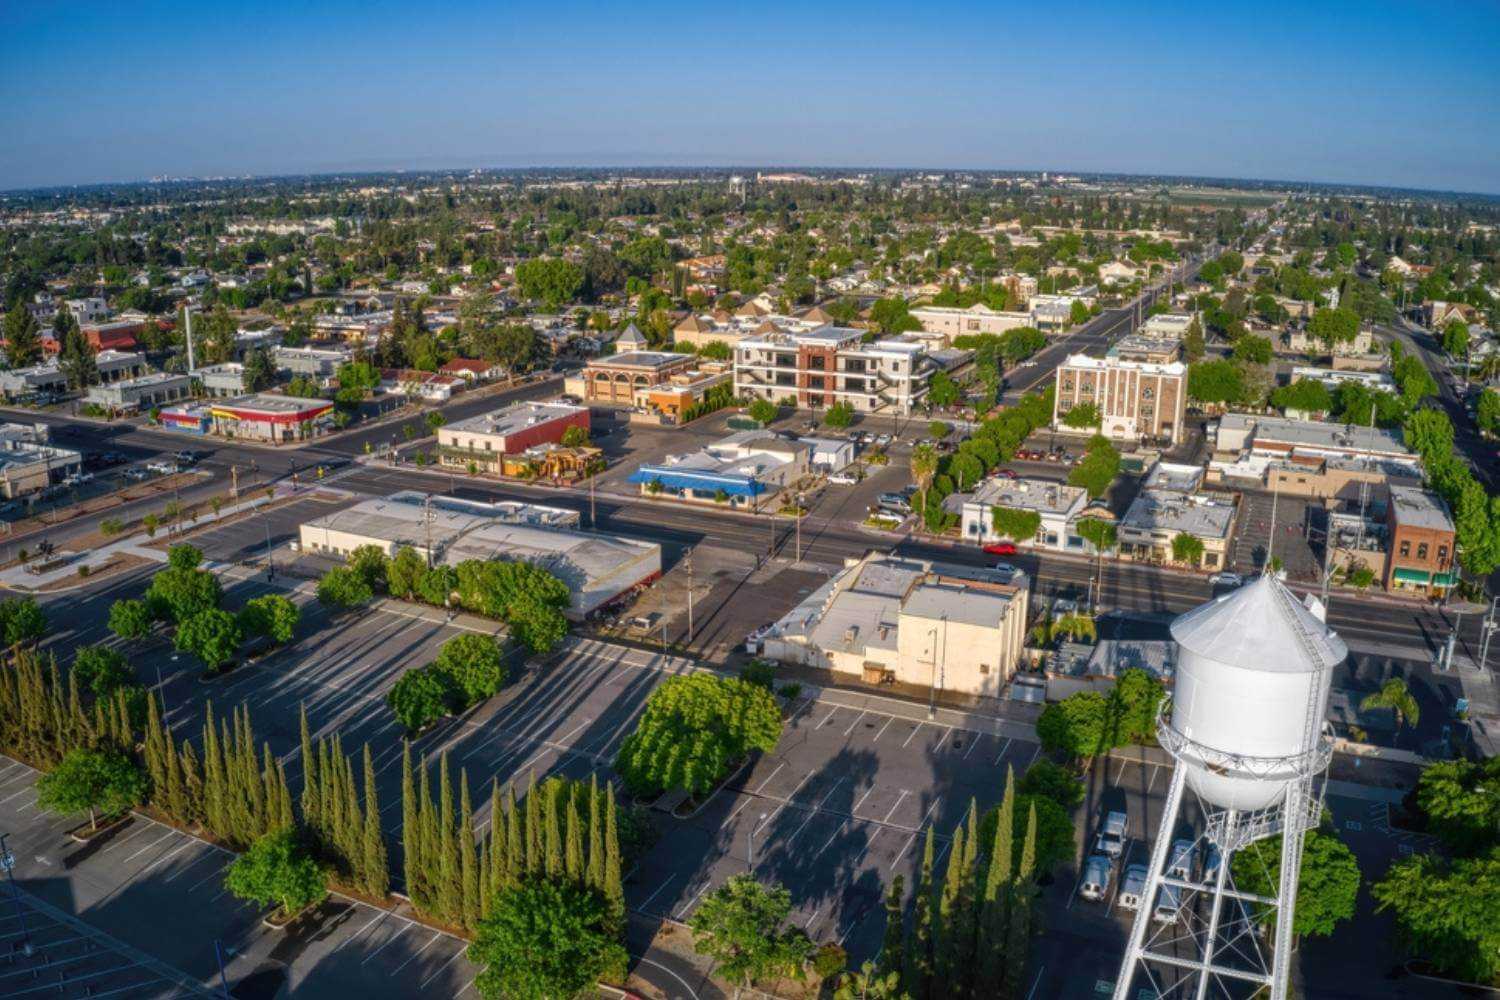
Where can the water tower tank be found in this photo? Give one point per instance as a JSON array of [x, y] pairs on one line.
[[1249, 666]]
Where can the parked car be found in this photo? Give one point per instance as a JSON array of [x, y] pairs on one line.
[[1132, 886], [1007, 473], [185, 458], [162, 467], [1225, 579], [1000, 549], [1212, 859], [78, 478], [1096, 875], [843, 479], [894, 501], [1184, 860], [1113, 833], [136, 474], [1168, 905]]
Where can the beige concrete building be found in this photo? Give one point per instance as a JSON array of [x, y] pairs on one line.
[[950, 321], [1137, 400], [885, 619]]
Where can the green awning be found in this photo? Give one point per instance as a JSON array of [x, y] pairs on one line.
[[1445, 579], [1412, 576]]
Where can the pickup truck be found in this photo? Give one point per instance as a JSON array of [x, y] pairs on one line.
[[1112, 835]]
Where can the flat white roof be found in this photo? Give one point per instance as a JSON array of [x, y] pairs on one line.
[[516, 417]]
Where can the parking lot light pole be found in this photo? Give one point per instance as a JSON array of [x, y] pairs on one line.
[[8, 862]]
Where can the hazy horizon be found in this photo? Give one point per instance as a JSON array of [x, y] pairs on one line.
[[1361, 94]]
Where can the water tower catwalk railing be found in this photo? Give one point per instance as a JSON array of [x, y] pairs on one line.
[[1222, 954]]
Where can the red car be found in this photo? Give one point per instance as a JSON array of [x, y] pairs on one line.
[[1000, 549]]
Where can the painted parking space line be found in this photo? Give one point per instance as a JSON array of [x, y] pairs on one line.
[[769, 777], [899, 798], [387, 941], [914, 732], [148, 847], [888, 721], [855, 723], [439, 970], [1001, 755], [413, 956], [373, 921]]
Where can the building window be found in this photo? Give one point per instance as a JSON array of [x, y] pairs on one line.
[[1146, 393], [1442, 553], [815, 363], [1405, 548], [1422, 550], [1210, 559], [984, 668]]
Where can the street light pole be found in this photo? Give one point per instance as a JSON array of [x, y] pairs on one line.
[[689, 561], [8, 862]]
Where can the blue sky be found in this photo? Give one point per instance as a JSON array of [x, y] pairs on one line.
[[1403, 94]]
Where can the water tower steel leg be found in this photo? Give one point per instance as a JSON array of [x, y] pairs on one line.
[[1210, 941], [1296, 806], [1158, 861]]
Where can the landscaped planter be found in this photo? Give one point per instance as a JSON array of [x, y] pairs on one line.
[[276, 921], [87, 832]]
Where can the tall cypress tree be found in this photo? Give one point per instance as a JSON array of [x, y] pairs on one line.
[[192, 781], [893, 945], [373, 862], [449, 884], [411, 859], [949, 919], [175, 798], [310, 791], [426, 840], [995, 898], [215, 782], [533, 828], [156, 751], [595, 878], [285, 819], [515, 839], [573, 841], [495, 873], [486, 863], [965, 922], [614, 882], [919, 951], [270, 792], [554, 844], [468, 863], [1018, 938], [352, 841]]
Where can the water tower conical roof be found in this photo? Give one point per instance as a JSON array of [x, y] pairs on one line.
[[1261, 626]]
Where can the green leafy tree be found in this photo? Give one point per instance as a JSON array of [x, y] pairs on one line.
[[764, 411], [1445, 911], [870, 984], [212, 635], [1052, 781], [471, 665], [99, 780], [942, 390], [1253, 350], [259, 373], [1456, 338], [343, 588], [742, 927], [102, 670], [1329, 886], [924, 467], [130, 619], [552, 281], [1218, 381], [1306, 395], [1022, 525], [1054, 830], [76, 357], [1487, 412], [419, 697], [22, 621], [891, 316], [180, 592], [1132, 706], [404, 573], [371, 563], [1461, 800], [838, 415], [1098, 532], [1334, 326], [1187, 548], [1098, 467], [545, 939], [23, 342], [277, 869], [272, 616], [575, 437], [1083, 415], [693, 729], [1077, 726], [1193, 347]]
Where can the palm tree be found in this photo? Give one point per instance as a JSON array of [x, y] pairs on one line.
[[924, 463], [1396, 696], [1489, 368], [1075, 625]]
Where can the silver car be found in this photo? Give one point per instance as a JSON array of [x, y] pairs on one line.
[[1097, 871], [1184, 860], [1132, 887]]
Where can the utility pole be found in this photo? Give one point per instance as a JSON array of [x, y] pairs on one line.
[[187, 317], [689, 561], [797, 516], [1486, 633]]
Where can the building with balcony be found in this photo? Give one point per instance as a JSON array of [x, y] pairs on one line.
[[817, 368], [613, 379], [1138, 401]]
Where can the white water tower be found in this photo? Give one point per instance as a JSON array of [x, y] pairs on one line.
[[1246, 727]]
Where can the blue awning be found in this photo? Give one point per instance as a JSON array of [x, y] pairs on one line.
[[710, 482]]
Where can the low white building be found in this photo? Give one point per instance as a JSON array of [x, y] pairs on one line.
[[950, 321], [1058, 505], [598, 568], [30, 462], [886, 619], [747, 469]]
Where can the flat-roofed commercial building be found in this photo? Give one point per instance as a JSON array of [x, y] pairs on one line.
[[614, 379], [1156, 517], [1421, 550], [1056, 505], [598, 568], [674, 401], [142, 393], [30, 462], [317, 363], [950, 321], [817, 368], [747, 469], [486, 438], [226, 379], [1137, 400], [926, 624], [259, 417]]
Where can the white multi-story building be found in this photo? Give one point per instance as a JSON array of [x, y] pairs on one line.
[[1057, 506], [817, 368], [1137, 400]]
